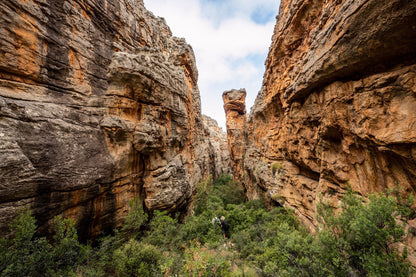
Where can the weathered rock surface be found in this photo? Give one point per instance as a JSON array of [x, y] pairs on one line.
[[98, 104], [337, 106], [214, 150], [235, 111]]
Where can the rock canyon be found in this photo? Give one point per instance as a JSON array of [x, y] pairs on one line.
[[99, 104]]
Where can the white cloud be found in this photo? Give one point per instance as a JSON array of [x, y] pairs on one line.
[[225, 38]]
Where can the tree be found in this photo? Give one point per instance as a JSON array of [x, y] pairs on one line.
[[24, 254], [361, 238]]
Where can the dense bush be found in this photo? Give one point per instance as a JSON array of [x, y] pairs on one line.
[[163, 232], [202, 261], [356, 240], [360, 239], [137, 259], [23, 254]]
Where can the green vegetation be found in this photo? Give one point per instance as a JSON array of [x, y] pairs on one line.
[[23, 254], [276, 167], [357, 240], [137, 259], [278, 198]]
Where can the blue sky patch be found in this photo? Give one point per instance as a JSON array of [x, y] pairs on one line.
[[263, 16]]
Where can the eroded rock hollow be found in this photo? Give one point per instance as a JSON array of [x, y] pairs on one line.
[[98, 104]]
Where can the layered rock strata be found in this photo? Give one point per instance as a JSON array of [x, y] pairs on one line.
[[214, 150], [235, 111], [338, 104], [98, 104]]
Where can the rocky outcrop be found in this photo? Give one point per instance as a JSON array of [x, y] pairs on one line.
[[235, 111], [98, 104], [338, 104], [214, 151]]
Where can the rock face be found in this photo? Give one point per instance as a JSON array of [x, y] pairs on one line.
[[337, 106], [235, 111], [98, 104], [214, 151]]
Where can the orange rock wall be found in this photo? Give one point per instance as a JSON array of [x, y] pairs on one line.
[[337, 106], [215, 151], [235, 110], [98, 104]]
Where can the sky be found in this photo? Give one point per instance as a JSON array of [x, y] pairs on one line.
[[230, 38]]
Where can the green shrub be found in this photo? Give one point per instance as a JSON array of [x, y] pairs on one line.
[[270, 241], [67, 252], [404, 201], [24, 254], [201, 261], [134, 220], [172, 263], [212, 196], [357, 240], [228, 191], [276, 167], [137, 259], [360, 239], [203, 190], [163, 231], [200, 228]]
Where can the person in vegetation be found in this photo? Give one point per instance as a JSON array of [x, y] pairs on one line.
[[216, 221], [224, 227]]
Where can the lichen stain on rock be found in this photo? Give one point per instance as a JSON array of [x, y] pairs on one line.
[[75, 63]]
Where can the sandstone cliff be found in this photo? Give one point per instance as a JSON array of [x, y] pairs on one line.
[[337, 106], [214, 150], [98, 104], [235, 111]]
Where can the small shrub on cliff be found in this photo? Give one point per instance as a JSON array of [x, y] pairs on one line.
[[276, 167], [276, 197]]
